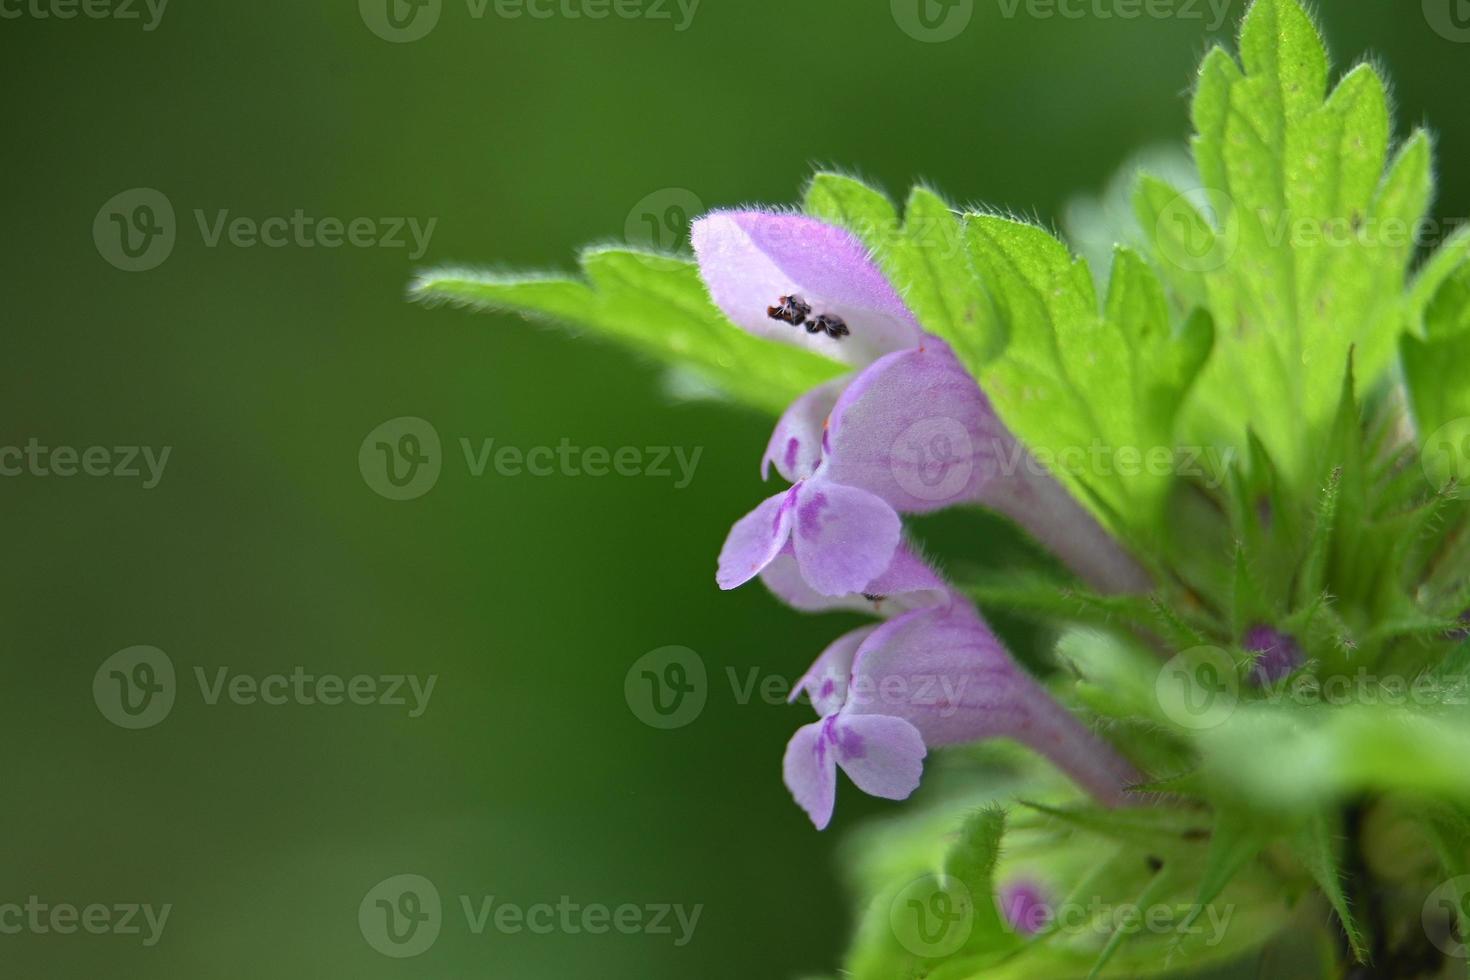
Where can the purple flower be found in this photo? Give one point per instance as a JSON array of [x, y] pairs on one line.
[[1280, 654], [911, 433], [1024, 905], [841, 537], [931, 677]]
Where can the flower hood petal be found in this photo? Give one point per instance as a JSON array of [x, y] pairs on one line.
[[750, 259]]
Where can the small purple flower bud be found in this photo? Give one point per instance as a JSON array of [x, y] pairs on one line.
[[1280, 654], [1024, 905]]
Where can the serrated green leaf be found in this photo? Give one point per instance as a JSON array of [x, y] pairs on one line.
[[1176, 228], [847, 201], [930, 266], [924, 257], [1075, 379], [654, 304], [1300, 240]]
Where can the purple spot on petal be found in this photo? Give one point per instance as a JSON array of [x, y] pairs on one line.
[[809, 515], [850, 744], [828, 688], [1279, 654], [823, 741], [791, 448], [1023, 905]]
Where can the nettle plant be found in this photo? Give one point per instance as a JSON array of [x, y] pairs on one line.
[[1250, 749]]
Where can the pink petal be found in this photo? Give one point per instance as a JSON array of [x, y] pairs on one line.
[[883, 756], [755, 540], [811, 773], [945, 672], [915, 429], [844, 537], [907, 583], [749, 259], [825, 682], [796, 445]]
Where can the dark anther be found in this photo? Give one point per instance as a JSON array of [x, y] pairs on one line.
[[790, 309]]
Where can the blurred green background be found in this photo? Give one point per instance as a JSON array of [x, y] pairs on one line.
[[263, 548]]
